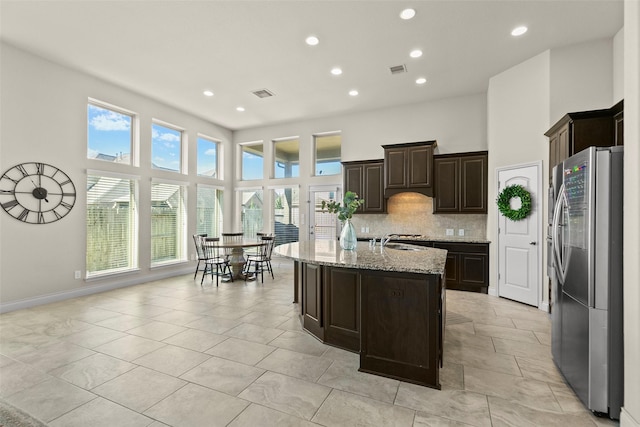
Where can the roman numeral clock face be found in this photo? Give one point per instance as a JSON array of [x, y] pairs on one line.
[[36, 193]]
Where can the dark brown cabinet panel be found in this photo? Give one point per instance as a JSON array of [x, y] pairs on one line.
[[461, 183], [576, 131], [467, 267], [312, 299], [401, 326], [366, 178], [342, 308], [409, 167]]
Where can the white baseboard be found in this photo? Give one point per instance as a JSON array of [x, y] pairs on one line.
[[544, 306], [493, 291], [89, 290], [626, 420]]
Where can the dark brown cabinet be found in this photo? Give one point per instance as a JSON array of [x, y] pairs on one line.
[[576, 131], [402, 326], [467, 267], [460, 183], [342, 308], [409, 167], [366, 178], [312, 304]]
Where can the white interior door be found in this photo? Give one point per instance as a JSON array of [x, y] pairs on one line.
[[322, 225], [519, 242]]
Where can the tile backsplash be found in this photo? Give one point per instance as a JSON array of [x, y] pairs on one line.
[[412, 213]]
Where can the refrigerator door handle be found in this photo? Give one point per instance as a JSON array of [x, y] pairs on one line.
[[556, 243]]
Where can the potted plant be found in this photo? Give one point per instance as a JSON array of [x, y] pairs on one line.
[[345, 211]]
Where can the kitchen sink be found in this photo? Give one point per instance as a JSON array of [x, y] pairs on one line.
[[403, 247]]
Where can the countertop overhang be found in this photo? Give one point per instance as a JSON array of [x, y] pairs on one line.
[[328, 252]]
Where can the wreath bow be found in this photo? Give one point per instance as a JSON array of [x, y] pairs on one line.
[[504, 202]]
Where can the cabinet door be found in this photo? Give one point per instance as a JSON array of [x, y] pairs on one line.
[[474, 270], [395, 175], [420, 160], [451, 269], [342, 308], [353, 179], [447, 196], [553, 152], [373, 191], [618, 123], [312, 299], [563, 150], [473, 184]]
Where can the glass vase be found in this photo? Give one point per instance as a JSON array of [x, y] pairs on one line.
[[348, 239]]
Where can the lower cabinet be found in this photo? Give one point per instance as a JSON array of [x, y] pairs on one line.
[[467, 267], [342, 308], [312, 289]]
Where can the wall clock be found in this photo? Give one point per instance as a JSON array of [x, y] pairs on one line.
[[36, 193]]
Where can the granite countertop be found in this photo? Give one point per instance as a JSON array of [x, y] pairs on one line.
[[328, 252], [424, 238]]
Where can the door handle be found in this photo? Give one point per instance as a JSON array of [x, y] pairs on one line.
[[533, 243]]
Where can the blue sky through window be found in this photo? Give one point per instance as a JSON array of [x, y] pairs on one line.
[[252, 166], [108, 135], [165, 147], [207, 157]]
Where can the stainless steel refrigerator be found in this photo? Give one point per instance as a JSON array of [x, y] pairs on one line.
[[586, 244]]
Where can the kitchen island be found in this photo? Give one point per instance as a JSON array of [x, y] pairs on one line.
[[387, 304]]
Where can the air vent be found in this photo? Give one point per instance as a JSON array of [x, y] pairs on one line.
[[262, 93], [397, 69]]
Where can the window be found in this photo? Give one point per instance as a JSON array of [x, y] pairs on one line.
[[111, 225], [167, 222], [328, 153], [286, 215], [252, 203], [325, 223], [166, 145], [109, 133], [252, 161], [207, 157], [209, 211], [287, 158]]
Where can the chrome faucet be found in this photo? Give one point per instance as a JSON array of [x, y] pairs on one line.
[[386, 238]]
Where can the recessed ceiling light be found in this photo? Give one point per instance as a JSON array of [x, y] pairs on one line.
[[241, 109], [207, 93], [336, 71], [408, 13], [353, 92], [421, 80], [312, 40], [518, 31], [416, 53]]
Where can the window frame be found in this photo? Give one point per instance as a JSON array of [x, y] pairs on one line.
[[221, 208], [181, 227], [315, 137], [240, 162], [219, 162], [274, 157], [134, 143], [182, 162]]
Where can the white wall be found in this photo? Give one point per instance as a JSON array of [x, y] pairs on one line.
[[44, 118], [618, 67], [631, 410], [518, 102]]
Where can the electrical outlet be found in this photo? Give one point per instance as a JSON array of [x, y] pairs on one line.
[[77, 274], [461, 232], [362, 229], [366, 230], [449, 231]]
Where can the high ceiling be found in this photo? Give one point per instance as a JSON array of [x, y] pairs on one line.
[[173, 50]]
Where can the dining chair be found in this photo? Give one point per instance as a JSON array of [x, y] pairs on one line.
[[261, 261], [214, 257], [199, 252], [230, 238]]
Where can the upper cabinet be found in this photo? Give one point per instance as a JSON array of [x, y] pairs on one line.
[[409, 167], [366, 179], [576, 131], [460, 183]]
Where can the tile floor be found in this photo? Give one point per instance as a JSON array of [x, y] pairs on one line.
[[173, 353]]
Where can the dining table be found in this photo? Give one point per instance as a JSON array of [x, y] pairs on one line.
[[236, 255]]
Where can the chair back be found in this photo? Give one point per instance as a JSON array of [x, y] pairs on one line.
[[197, 240], [230, 238], [211, 250], [267, 249]]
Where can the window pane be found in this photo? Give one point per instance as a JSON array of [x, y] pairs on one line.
[[251, 212], [109, 135], [209, 211], [252, 163], [286, 215], [287, 159], [326, 224], [328, 152], [165, 148], [111, 237], [167, 222], [207, 157]]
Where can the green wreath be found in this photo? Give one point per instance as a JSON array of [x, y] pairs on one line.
[[504, 202]]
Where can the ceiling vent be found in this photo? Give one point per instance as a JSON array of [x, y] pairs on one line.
[[262, 93], [398, 69]]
